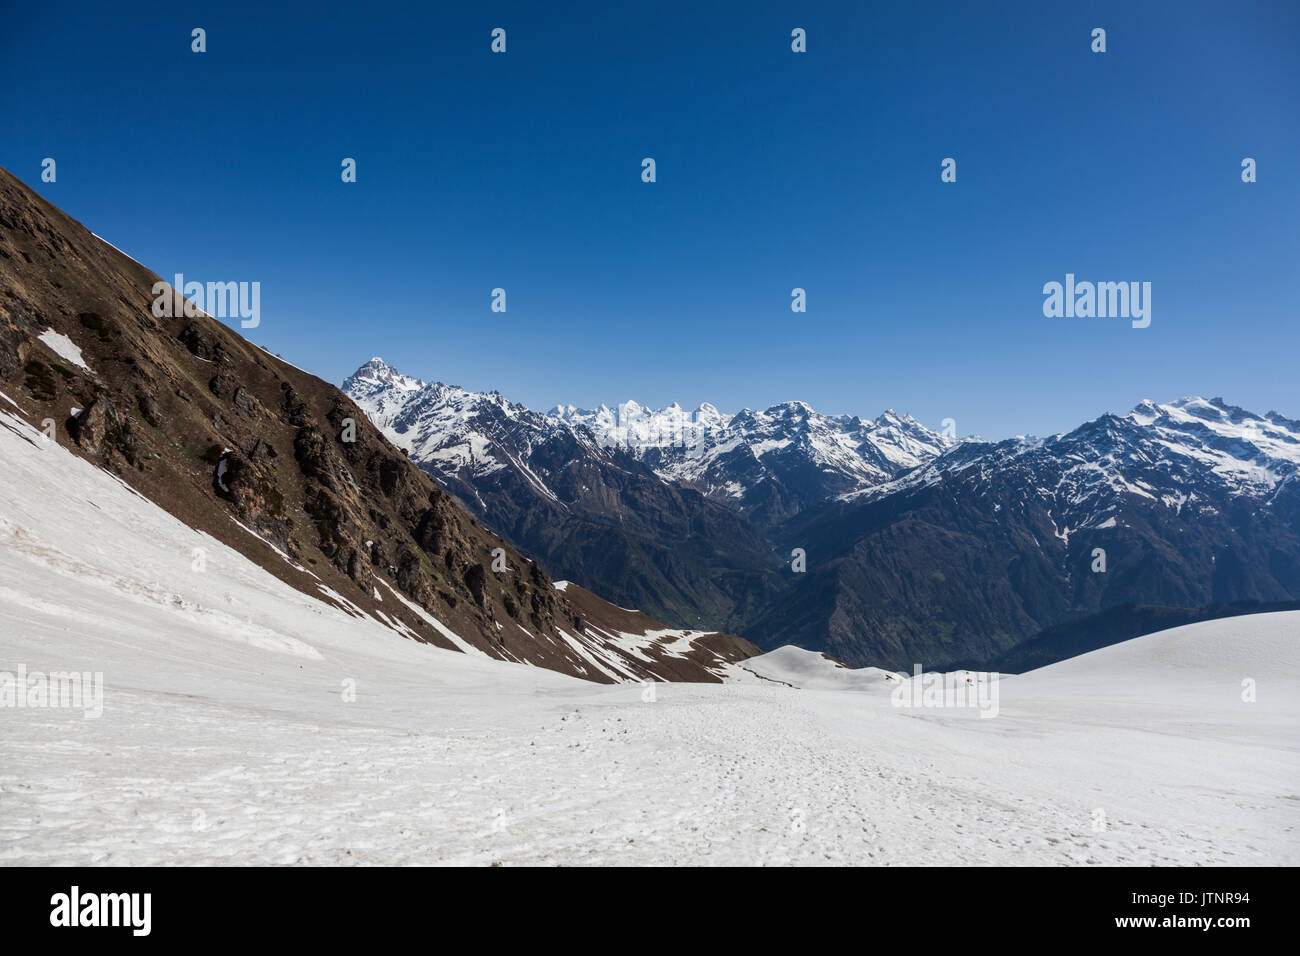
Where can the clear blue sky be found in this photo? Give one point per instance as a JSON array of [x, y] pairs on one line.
[[775, 170]]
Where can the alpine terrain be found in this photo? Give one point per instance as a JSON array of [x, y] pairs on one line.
[[279, 465], [917, 547], [239, 625]]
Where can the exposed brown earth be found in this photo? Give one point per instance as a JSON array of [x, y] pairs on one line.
[[221, 434]]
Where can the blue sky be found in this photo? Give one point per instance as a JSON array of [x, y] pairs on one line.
[[775, 170]]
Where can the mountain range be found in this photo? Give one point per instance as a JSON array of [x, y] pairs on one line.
[[917, 546], [449, 514]]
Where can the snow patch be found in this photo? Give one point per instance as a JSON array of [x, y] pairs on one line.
[[64, 347]]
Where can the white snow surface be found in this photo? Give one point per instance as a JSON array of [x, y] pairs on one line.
[[64, 347], [227, 735], [809, 670]]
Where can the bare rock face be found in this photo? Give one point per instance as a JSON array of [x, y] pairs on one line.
[[268, 459], [101, 429]]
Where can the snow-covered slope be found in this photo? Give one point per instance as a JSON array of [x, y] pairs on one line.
[[270, 460], [81, 544], [243, 722], [809, 670], [1265, 650]]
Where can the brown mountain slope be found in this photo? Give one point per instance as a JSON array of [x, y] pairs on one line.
[[255, 452]]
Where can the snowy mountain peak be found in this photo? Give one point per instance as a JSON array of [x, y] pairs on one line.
[[1193, 453], [805, 455], [377, 374], [1216, 419]]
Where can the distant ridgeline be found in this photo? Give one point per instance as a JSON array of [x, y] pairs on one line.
[[879, 541]]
